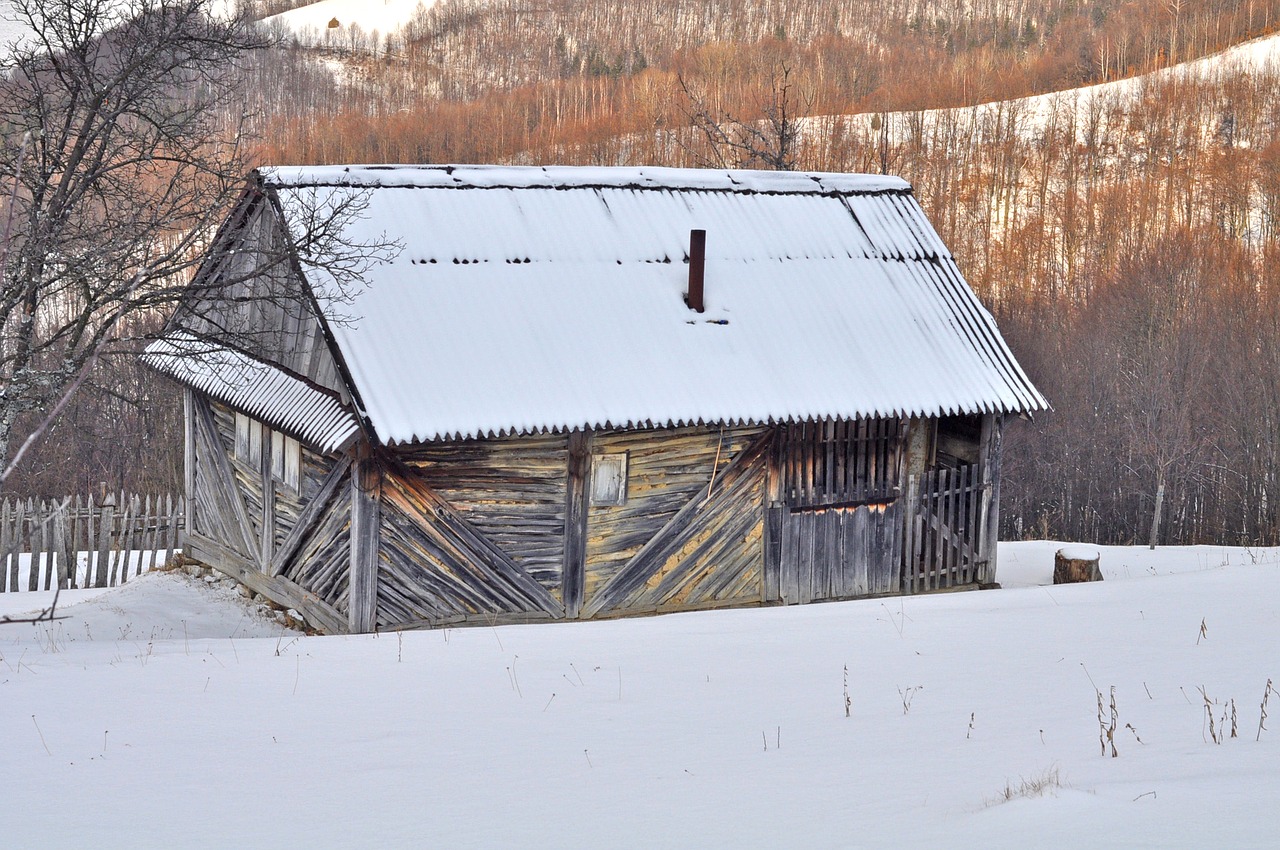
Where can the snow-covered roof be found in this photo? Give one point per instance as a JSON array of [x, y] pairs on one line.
[[533, 299], [258, 389]]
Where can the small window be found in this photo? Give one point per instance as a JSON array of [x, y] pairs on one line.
[[242, 435], [255, 443], [248, 440], [609, 479], [292, 462], [277, 455], [286, 459]]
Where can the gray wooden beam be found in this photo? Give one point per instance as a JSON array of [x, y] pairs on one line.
[[366, 486], [576, 508], [989, 463], [189, 455], [268, 541]]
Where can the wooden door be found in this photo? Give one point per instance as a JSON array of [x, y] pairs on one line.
[[835, 526], [838, 552]]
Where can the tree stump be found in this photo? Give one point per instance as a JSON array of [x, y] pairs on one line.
[[1076, 563]]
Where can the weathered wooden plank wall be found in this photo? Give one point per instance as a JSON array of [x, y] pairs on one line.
[[666, 469], [709, 551], [298, 552], [247, 293], [436, 567], [839, 552], [511, 490]]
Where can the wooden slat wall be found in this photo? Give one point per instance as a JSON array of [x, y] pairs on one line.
[[248, 478], [436, 567], [665, 469], [322, 564], [116, 540], [511, 490], [710, 552], [256, 312], [291, 503], [840, 462]]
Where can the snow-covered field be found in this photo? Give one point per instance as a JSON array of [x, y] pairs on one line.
[[167, 713]]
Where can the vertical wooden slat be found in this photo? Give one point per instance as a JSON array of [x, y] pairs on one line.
[[930, 514], [125, 561], [366, 486], [774, 516], [73, 543], [829, 460], [62, 541], [36, 537], [14, 548], [989, 461], [178, 518], [150, 528], [267, 538], [189, 452]]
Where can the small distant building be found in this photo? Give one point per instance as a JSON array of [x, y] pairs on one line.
[[548, 401]]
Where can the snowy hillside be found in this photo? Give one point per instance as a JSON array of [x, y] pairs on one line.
[[1030, 115], [311, 22], [971, 720]]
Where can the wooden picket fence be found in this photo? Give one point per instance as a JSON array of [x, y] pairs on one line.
[[81, 542]]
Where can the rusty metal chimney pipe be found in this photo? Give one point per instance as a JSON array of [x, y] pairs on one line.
[[697, 269]]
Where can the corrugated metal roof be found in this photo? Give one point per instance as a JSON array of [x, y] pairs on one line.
[[260, 390], [551, 298]]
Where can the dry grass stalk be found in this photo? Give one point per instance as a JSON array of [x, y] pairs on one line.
[[1214, 734], [1029, 788], [1262, 717]]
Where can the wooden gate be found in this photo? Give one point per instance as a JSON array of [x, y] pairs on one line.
[[943, 538]]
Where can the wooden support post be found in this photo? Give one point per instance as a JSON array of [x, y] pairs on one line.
[[105, 526], [989, 523], [774, 515], [577, 499], [189, 457], [366, 487], [268, 536]]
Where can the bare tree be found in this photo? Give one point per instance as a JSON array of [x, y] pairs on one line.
[[772, 142], [120, 146]]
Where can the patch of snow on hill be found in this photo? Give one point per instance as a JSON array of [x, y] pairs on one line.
[[311, 22]]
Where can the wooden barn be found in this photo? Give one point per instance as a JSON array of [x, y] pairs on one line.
[[563, 393]]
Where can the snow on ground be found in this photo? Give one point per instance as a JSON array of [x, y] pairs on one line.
[[719, 729], [385, 16]]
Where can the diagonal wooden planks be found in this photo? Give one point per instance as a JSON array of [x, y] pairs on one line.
[[431, 552], [217, 491], [686, 541]]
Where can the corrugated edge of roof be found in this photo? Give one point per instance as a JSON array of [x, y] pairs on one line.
[[740, 422], [570, 177], [260, 390]]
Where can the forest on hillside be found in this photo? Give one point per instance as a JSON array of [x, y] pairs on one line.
[[1127, 242]]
